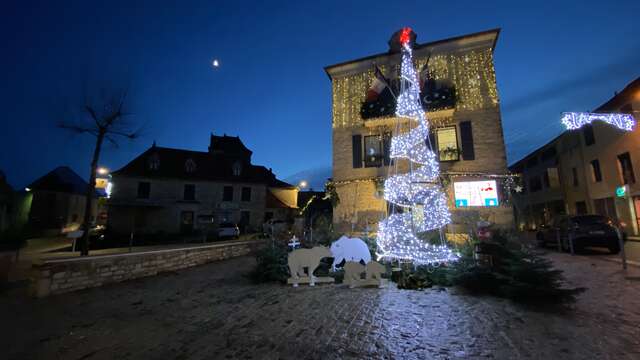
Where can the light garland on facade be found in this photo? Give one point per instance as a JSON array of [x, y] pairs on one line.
[[471, 73], [417, 193], [576, 120]]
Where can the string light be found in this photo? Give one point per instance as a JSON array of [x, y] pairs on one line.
[[576, 120], [471, 73], [421, 200]]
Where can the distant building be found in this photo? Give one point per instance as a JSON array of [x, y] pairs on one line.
[[591, 170], [6, 202], [172, 191], [459, 94], [58, 201]]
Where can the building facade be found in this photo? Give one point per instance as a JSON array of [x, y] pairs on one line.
[[460, 97], [586, 171], [174, 191], [58, 201]]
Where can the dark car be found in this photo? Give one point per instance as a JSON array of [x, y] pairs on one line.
[[584, 230]]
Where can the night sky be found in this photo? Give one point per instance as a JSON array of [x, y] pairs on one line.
[[270, 87]]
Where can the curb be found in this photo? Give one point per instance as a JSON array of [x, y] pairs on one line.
[[619, 261]]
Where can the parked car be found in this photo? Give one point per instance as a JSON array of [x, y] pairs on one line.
[[585, 230], [228, 230]]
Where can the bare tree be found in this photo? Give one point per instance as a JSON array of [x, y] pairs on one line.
[[105, 118]]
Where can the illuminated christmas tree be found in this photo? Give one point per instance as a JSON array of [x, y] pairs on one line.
[[418, 203]]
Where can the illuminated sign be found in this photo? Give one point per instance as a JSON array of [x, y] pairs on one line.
[[621, 191], [476, 193]]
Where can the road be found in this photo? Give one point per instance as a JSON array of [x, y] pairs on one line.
[[213, 311]]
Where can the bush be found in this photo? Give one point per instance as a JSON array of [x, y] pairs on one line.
[[516, 274], [271, 265]]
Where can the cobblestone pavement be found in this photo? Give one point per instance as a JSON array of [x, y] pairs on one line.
[[213, 312]]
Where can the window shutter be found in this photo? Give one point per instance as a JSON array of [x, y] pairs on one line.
[[466, 138], [386, 148], [357, 151], [432, 142]]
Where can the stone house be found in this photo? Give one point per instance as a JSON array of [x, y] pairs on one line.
[[173, 191], [460, 97], [58, 202], [586, 171]]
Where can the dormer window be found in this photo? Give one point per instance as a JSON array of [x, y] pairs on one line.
[[190, 166], [153, 162], [237, 168]]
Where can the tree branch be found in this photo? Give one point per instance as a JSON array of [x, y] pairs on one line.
[[77, 128]]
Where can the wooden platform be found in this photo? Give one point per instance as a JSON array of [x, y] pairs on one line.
[[307, 280]]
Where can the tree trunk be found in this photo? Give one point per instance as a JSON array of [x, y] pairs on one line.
[[91, 190]]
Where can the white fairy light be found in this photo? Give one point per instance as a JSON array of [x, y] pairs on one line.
[[576, 120], [422, 205]]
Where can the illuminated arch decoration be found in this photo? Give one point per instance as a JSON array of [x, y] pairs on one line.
[[576, 120]]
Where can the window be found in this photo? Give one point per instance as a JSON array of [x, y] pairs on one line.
[[466, 141], [246, 194], [268, 216], [236, 168], [144, 188], [581, 207], [595, 168], [356, 145], [189, 192], [153, 162], [190, 166], [626, 168], [227, 194], [574, 172], [589, 138], [535, 184], [373, 151], [447, 139], [545, 179], [533, 162]]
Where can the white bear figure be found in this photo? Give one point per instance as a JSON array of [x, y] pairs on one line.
[[349, 249]]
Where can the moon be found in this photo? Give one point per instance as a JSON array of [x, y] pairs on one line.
[[215, 63]]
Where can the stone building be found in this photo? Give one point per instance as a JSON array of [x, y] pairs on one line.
[[58, 202], [460, 96], [175, 191], [586, 171]]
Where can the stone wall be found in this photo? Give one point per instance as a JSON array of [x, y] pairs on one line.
[[65, 275]]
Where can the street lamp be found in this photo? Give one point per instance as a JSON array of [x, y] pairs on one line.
[[303, 184], [103, 171]]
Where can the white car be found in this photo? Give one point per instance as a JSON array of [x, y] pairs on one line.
[[228, 230]]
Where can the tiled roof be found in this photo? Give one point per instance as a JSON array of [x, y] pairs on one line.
[[61, 179], [162, 162]]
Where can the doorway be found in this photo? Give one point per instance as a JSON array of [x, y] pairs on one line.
[[186, 222]]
